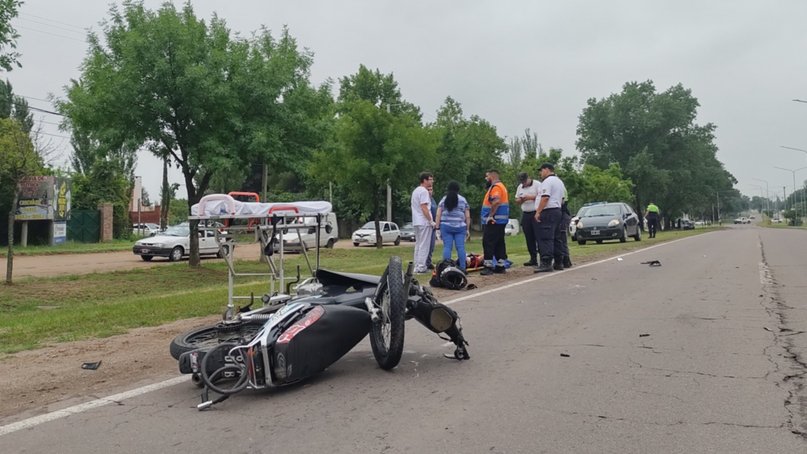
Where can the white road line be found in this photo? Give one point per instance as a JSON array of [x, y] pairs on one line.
[[52, 416]]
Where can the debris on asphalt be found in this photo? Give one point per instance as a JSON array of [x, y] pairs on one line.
[[652, 263], [643, 335], [91, 366], [619, 259], [565, 355]]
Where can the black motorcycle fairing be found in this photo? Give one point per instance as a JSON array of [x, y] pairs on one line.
[[310, 346], [355, 280]]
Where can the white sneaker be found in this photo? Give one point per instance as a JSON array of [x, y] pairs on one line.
[[421, 270]]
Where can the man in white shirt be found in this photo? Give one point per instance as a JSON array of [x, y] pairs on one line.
[[527, 195], [548, 215], [422, 220]]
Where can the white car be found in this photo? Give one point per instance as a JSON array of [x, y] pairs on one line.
[[366, 234], [145, 229], [175, 243]]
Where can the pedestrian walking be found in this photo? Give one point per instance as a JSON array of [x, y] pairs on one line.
[[495, 214], [422, 220], [548, 215], [454, 222], [527, 195], [652, 216]]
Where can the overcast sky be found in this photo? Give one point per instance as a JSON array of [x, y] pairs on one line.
[[517, 64]]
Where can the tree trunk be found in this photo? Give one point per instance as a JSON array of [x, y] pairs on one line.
[[165, 202], [10, 252], [379, 241]]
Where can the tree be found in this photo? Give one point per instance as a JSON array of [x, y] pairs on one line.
[[654, 139], [8, 35], [378, 141], [466, 149], [18, 159], [173, 83]]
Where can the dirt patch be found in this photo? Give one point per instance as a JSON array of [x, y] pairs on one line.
[[51, 378]]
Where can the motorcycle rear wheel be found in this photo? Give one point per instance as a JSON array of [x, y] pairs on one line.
[[387, 334], [211, 336]]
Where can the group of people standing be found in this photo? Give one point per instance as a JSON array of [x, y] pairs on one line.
[[545, 220]]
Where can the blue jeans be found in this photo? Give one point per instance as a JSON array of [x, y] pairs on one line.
[[454, 236]]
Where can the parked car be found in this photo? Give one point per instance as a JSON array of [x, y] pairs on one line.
[[742, 220], [608, 221], [366, 234], [580, 213], [175, 243], [328, 233], [145, 229], [513, 227], [686, 224], [408, 232]]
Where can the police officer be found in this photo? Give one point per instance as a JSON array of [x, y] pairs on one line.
[[548, 215], [652, 219]]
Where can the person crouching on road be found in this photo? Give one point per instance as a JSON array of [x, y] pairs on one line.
[[454, 222], [548, 215], [495, 214], [527, 195], [422, 220]]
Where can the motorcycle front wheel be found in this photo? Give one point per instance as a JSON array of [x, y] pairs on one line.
[[387, 334], [211, 336]]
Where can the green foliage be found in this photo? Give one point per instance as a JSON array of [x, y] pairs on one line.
[[467, 148], [653, 138], [8, 35], [378, 140]]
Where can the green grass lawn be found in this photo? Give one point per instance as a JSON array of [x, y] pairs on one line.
[[38, 311]]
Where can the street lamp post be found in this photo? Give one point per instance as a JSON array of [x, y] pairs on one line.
[[793, 171], [767, 194]]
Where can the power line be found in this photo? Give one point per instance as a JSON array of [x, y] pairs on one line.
[[50, 20], [53, 26], [52, 34], [45, 111]]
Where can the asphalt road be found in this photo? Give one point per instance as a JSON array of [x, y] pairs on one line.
[[705, 353]]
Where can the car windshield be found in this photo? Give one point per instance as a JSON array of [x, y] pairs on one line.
[[369, 226], [601, 210], [177, 230]]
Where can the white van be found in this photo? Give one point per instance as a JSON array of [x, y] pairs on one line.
[[328, 233]]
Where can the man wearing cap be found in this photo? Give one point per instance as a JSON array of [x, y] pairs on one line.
[[495, 214], [527, 195], [548, 216]]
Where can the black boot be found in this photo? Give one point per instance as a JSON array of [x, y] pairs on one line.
[[558, 266], [545, 267], [532, 262], [567, 262], [486, 271]]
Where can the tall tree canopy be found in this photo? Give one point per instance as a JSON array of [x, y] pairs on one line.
[[466, 149], [378, 141], [181, 87], [657, 144]]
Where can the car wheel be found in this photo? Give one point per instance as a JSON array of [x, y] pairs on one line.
[[223, 251], [176, 254], [146, 258], [329, 245], [638, 236], [624, 236], [581, 242], [356, 244], [398, 241]]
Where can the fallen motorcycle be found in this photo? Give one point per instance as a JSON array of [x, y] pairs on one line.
[[292, 337]]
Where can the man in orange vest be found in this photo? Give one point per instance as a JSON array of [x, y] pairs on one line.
[[495, 214]]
